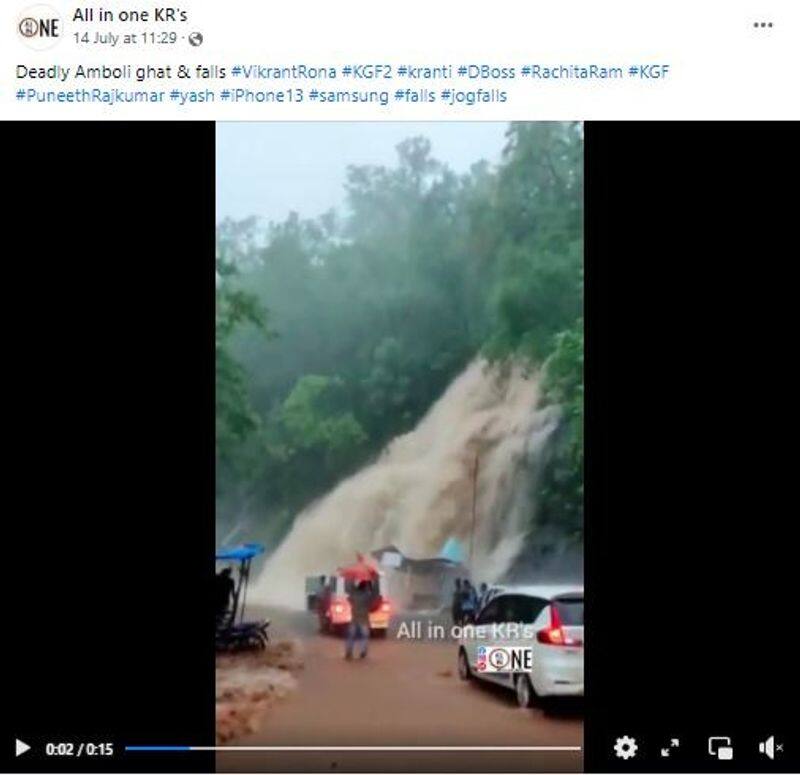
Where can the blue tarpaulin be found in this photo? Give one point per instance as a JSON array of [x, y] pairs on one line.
[[243, 552], [452, 550]]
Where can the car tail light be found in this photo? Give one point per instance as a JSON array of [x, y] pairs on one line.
[[555, 634], [340, 609], [386, 606]]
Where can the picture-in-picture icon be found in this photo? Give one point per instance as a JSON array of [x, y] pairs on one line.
[[720, 747]]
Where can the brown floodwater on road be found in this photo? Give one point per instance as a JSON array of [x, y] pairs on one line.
[[406, 693]]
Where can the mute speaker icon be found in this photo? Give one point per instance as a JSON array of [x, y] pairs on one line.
[[768, 747]]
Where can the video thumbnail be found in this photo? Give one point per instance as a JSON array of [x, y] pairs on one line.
[[399, 446]]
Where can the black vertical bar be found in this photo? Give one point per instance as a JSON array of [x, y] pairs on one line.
[[690, 324], [110, 356]]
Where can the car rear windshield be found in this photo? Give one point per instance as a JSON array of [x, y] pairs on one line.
[[570, 610], [520, 608]]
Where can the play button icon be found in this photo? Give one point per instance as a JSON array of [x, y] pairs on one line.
[[22, 747]]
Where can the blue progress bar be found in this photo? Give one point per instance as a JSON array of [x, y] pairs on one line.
[[158, 748]]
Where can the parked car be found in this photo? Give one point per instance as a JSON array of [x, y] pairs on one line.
[[326, 596], [549, 620]]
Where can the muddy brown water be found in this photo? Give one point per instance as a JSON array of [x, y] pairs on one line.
[[406, 693]]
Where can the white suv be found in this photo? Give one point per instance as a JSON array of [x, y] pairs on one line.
[[549, 619]]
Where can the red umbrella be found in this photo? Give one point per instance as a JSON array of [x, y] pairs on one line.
[[362, 570]]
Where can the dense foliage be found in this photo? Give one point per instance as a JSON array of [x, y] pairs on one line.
[[374, 311]]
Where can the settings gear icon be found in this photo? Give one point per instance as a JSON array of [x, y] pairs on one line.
[[625, 747]]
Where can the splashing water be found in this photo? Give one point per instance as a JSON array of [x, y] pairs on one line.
[[419, 492]]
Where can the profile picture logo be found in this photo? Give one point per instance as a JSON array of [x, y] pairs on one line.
[[40, 27], [29, 27], [499, 659]]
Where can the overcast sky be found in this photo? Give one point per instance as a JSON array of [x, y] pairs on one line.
[[270, 169]]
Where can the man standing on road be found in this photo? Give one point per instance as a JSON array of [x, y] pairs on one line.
[[456, 608], [362, 599], [469, 602], [225, 591]]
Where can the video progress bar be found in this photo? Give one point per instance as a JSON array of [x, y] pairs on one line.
[[235, 748]]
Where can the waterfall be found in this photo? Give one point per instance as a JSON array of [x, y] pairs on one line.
[[419, 491]]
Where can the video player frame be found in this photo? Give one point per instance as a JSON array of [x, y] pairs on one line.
[[412, 365]]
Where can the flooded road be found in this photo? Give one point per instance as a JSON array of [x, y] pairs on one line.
[[406, 693]]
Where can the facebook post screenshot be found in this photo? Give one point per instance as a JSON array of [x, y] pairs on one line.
[[400, 388]]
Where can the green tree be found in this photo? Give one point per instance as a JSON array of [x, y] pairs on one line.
[[235, 417], [561, 486]]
